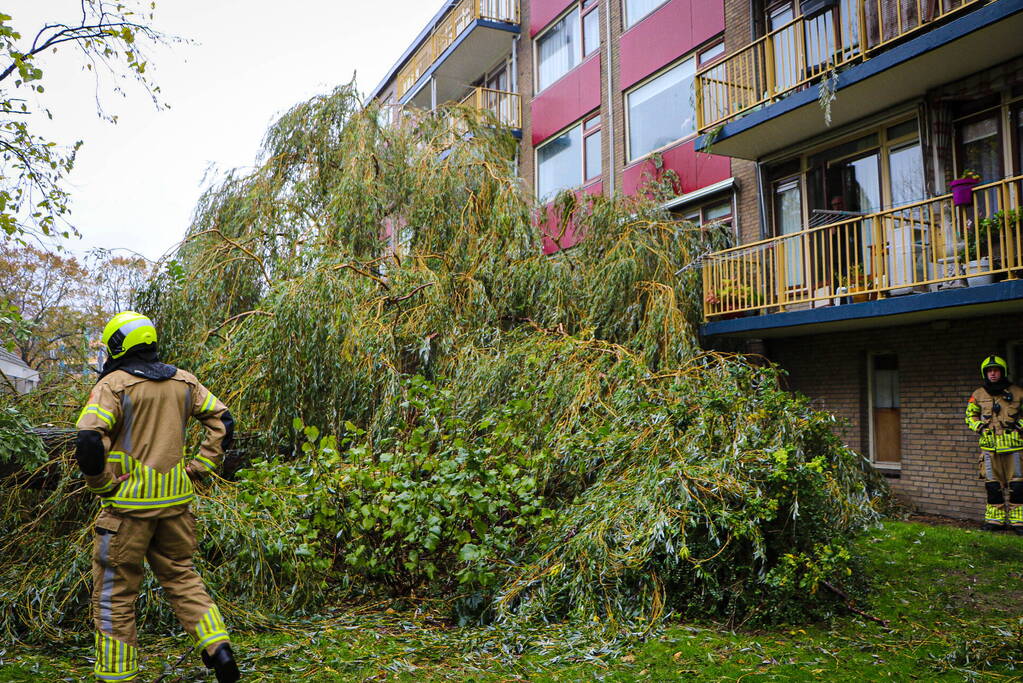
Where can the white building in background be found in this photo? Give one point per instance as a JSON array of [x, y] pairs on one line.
[[24, 378]]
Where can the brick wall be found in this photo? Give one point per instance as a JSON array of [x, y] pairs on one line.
[[747, 207], [938, 370], [739, 33]]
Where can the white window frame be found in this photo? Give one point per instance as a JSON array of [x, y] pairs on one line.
[[584, 133], [581, 55], [625, 14], [629, 160]]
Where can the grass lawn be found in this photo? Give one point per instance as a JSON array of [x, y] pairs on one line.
[[952, 597]]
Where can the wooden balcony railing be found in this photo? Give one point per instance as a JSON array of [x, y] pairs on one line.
[[506, 106], [449, 28], [928, 245], [807, 48]]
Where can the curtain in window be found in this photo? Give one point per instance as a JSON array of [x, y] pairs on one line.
[[558, 50], [559, 164]]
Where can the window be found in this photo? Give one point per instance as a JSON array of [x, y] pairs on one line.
[[637, 9], [661, 110], [980, 145], [711, 53], [569, 160], [559, 164], [558, 50], [715, 212], [564, 45], [591, 27], [591, 148]]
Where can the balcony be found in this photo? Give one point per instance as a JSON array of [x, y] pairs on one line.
[[806, 48], [472, 36], [929, 246], [882, 53], [505, 106]]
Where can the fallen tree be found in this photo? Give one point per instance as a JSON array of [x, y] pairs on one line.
[[447, 415]]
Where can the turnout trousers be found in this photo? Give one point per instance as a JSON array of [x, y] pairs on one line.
[[120, 543], [1003, 471]]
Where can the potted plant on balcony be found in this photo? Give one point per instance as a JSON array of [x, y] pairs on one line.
[[853, 286], [962, 187], [982, 244], [730, 296]]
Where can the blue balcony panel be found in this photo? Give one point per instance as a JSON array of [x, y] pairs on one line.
[[1001, 298]]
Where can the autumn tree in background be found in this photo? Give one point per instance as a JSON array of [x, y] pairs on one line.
[[111, 40], [116, 279], [59, 314]]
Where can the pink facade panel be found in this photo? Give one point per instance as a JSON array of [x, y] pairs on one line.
[[556, 238], [666, 34], [567, 100], [694, 170], [543, 12]]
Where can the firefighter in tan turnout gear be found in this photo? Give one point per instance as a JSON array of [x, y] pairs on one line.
[[130, 447], [995, 411]]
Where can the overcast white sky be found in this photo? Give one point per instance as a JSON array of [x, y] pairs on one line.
[[135, 183]]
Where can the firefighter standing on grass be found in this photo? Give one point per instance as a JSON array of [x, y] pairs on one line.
[[995, 412], [130, 447]]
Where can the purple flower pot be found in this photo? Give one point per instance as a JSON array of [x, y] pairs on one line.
[[962, 191]]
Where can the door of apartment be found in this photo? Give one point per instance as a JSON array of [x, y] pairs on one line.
[[784, 45], [496, 98], [788, 220], [853, 185], [885, 410]]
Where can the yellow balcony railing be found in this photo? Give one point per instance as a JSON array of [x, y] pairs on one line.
[[449, 28], [505, 106], [927, 245], [807, 48]]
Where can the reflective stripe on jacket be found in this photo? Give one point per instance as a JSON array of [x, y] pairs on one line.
[[999, 416], [143, 425]]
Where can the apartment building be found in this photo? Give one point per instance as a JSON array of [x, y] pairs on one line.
[[869, 265], [828, 135], [600, 92]]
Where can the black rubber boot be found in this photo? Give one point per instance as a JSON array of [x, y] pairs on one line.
[[1018, 530], [991, 526], [223, 664]]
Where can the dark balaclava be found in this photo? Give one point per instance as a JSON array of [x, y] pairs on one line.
[[141, 361]]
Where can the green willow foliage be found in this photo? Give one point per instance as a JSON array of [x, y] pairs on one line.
[[518, 436]]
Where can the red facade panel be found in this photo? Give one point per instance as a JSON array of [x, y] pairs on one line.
[[568, 99], [554, 237], [666, 34], [543, 12], [694, 170]]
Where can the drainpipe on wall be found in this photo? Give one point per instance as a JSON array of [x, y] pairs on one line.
[[610, 101], [515, 66]]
